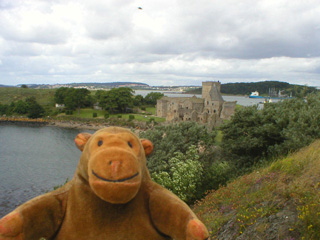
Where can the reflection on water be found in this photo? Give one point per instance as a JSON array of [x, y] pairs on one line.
[[33, 160]]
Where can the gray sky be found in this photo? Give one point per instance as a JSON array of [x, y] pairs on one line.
[[168, 42]]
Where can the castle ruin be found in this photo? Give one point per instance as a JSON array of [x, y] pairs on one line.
[[211, 109]]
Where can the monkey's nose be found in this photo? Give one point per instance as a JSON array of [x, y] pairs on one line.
[[115, 166]]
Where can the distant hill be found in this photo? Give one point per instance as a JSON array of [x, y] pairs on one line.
[[262, 87], [89, 85], [277, 202]]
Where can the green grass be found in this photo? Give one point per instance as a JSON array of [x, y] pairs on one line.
[[281, 201], [87, 113], [11, 94], [218, 138]]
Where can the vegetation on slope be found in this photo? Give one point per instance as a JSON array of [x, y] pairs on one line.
[[12, 94], [281, 201]]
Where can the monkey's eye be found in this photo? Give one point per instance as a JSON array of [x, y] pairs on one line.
[[100, 143], [130, 145]]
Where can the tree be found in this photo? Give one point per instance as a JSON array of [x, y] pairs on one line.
[[35, 110], [21, 107], [138, 100], [77, 98], [24, 86], [117, 100], [152, 98], [253, 134], [61, 94]]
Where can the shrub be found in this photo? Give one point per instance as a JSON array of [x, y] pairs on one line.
[[184, 174], [277, 129], [106, 115], [69, 112], [131, 117], [94, 115]]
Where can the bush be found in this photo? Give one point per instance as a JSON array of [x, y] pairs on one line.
[[176, 138], [184, 174], [119, 116], [94, 115], [131, 117], [69, 112], [277, 129], [106, 116]]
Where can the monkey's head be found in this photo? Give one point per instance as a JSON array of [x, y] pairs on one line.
[[113, 161]]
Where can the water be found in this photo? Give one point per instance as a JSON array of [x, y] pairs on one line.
[[241, 100], [32, 161]]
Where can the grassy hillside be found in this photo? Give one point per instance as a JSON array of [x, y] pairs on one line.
[[281, 201], [12, 94]]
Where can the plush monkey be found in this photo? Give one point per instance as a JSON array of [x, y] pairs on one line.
[[110, 197]]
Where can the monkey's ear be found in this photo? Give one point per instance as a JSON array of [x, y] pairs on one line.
[[81, 140], [147, 145]]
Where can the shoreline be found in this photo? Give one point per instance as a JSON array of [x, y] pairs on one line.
[[87, 125]]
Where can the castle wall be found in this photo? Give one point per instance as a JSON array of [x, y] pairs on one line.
[[211, 109], [228, 110]]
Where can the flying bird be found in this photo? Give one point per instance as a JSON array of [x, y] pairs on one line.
[[140, 8]]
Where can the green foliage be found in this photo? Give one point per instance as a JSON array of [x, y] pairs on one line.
[[35, 110], [73, 98], [94, 115], [168, 140], [263, 88], [45, 97], [60, 95], [117, 100], [131, 117], [152, 97], [184, 174], [21, 107], [106, 115], [4, 109], [277, 129], [69, 112], [138, 100]]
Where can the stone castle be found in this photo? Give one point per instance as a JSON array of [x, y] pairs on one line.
[[211, 109]]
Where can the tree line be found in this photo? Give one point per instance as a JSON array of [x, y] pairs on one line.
[[29, 107], [116, 100], [263, 88]]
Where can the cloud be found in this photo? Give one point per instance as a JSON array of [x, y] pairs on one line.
[[177, 42]]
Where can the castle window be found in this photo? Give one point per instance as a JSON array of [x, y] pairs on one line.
[[214, 111], [208, 111], [186, 107], [212, 104], [207, 102]]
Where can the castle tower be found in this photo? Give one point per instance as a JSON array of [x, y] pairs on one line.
[[211, 91]]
